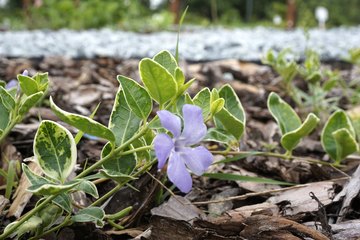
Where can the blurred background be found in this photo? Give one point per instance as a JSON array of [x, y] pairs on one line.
[[155, 15]]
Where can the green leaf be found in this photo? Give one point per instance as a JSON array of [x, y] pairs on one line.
[[42, 186], [337, 121], [82, 123], [29, 226], [141, 142], [2, 83], [165, 59], [4, 115], [230, 123], [159, 82], [90, 214], [29, 102], [123, 122], [63, 200], [136, 96], [42, 80], [119, 164], [7, 99], [291, 139], [217, 105], [345, 144], [236, 177], [88, 187], [27, 85], [232, 102], [10, 178], [55, 150], [202, 99], [52, 188], [80, 134], [33, 178], [179, 76], [49, 215], [188, 99], [285, 116], [219, 135]]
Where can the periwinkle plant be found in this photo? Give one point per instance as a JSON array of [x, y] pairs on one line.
[[135, 142]]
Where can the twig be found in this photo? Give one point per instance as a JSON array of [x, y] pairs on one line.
[[247, 195]]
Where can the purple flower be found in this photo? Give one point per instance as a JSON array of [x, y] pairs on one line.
[[178, 149], [14, 83]]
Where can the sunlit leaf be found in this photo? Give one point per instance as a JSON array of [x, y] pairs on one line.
[[123, 122], [83, 123], [136, 96], [158, 81], [29, 102], [7, 100], [330, 139], [202, 99], [230, 123], [345, 144], [55, 150], [165, 59], [283, 113], [27, 85], [291, 139], [232, 102]]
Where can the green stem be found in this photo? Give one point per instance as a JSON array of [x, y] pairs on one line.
[[27, 216], [271, 154], [139, 149], [107, 195], [111, 154]]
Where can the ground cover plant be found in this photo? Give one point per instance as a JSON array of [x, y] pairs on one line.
[[178, 141]]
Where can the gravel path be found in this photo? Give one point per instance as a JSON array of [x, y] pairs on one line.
[[195, 45]]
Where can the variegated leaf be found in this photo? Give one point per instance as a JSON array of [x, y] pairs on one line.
[[55, 150]]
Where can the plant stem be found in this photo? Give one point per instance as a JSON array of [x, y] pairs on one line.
[[27, 216], [139, 149], [107, 195], [116, 151], [271, 154]]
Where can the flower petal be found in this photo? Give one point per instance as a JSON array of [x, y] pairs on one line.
[[194, 127], [11, 84], [178, 173], [170, 121], [197, 159], [25, 73], [163, 145]]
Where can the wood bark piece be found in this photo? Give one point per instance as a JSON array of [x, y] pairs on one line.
[[349, 192], [298, 200], [22, 195], [178, 219], [348, 230], [261, 227]]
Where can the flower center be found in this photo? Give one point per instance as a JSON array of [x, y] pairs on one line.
[[179, 144]]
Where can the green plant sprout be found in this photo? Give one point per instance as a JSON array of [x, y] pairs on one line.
[[319, 82], [18, 97]]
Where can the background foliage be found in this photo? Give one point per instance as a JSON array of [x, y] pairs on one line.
[[137, 14]]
